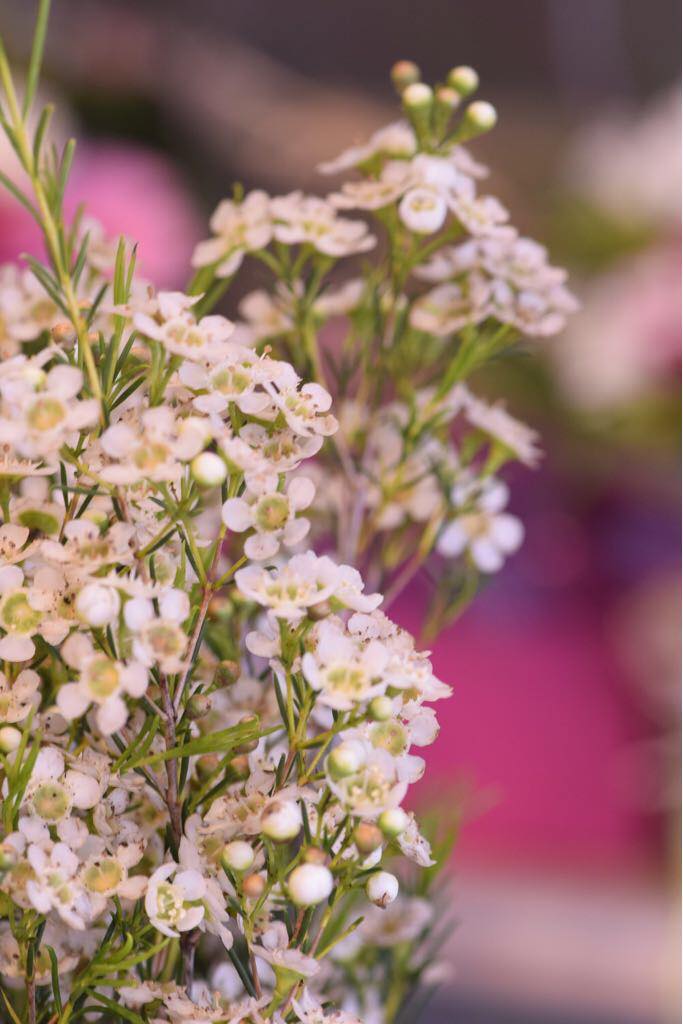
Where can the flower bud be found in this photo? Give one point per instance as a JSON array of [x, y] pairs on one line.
[[346, 759], [320, 611], [10, 738], [253, 886], [63, 333], [309, 884], [206, 765], [445, 102], [381, 708], [403, 74], [227, 673], [480, 117], [418, 96], [208, 469], [314, 855], [418, 100], [281, 820], [237, 856], [393, 821], [367, 837], [238, 768], [463, 79], [97, 605], [198, 705], [382, 888]]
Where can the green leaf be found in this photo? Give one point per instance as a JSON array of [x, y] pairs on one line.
[[43, 124], [116, 1008], [222, 741], [54, 967], [36, 55], [19, 196]]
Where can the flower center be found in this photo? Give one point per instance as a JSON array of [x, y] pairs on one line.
[[51, 801], [151, 455], [169, 903], [103, 876], [346, 679], [102, 679], [230, 381], [165, 639], [390, 736], [16, 613], [272, 512], [46, 414]]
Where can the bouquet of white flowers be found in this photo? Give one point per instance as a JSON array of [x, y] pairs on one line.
[[207, 721]]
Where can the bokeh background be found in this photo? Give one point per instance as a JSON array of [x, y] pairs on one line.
[[560, 752]]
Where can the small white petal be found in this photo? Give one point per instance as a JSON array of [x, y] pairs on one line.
[[237, 515], [72, 701]]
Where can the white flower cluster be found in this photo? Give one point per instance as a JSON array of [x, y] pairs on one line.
[[208, 732]]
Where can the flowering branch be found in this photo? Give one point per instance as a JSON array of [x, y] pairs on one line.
[[162, 611]]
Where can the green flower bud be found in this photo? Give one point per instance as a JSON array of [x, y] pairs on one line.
[[463, 79]]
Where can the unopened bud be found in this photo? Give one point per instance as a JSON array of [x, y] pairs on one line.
[[381, 708], [367, 837], [403, 74], [281, 820], [207, 765], [445, 102], [63, 333], [418, 96], [346, 759], [208, 469], [382, 888], [393, 821], [309, 884], [237, 856], [314, 855], [480, 117], [10, 738], [418, 100], [253, 886], [198, 705], [320, 611], [463, 79], [227, 673], [97, 605], [238, 768]]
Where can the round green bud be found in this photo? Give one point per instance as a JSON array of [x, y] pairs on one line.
[[382, 888], [404, 73], [208, 469], [418, 96], [10, 738], [346, 759], [367, 837], [393, 821], [381, 708], [237, 856], [198, 705], [480, 117], [463, 79]]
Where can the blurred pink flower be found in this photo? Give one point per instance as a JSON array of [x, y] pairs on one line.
[[131, 190]]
